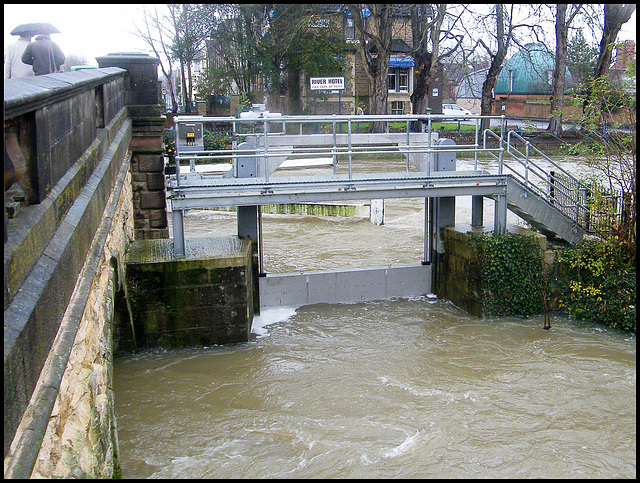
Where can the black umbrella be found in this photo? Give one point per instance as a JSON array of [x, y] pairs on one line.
[[32, 28]]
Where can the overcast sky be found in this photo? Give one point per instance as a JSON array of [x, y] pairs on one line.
[[99, 29], [93, 30]]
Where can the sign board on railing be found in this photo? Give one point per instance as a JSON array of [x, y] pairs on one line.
[[327, 83]]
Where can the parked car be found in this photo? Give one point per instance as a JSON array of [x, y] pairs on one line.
[[455, 110]]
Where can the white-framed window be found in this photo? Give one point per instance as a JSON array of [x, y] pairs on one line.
[[350, 29], [397, 108], [403, 80], [398, 79]]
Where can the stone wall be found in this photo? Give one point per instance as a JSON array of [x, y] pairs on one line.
[[64, 248], [459, 277], [47, 242], [147, 151], [81, 437], [201, 299]]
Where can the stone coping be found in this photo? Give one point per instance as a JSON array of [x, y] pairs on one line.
[[31, 93], [226, 251]]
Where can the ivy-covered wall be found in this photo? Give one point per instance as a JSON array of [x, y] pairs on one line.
[[495, 275]]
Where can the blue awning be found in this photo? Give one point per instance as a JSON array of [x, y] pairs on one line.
[[400, 62]]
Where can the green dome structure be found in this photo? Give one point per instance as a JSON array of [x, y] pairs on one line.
[[529, 72]]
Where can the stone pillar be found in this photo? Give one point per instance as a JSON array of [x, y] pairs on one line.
[[147, 157]]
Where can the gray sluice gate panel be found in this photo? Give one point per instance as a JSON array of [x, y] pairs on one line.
[[347, 286]]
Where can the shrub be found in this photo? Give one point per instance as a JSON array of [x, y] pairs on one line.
[[600, 283]]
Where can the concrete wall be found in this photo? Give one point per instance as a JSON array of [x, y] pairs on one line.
[[63, 251]]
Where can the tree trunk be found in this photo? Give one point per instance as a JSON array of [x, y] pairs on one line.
[[559, 74], [376, 68], [615, 15], [494, 70], [293, 91], [423, 30]]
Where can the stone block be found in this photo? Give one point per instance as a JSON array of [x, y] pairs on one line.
[[145, 142], [155, 181], [154, 199], [204, 298], [150, 163]]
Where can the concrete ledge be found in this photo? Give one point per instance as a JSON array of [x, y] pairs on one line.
[[29, 94]]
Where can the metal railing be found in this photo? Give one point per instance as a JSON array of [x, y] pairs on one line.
[[564, 191], [336, 135], [342, 136]]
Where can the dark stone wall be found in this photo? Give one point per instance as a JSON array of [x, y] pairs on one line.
[[74, 167], [202, 299], [459, 278], [62, 120], [147, 151]]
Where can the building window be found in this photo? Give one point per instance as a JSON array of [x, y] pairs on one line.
[[397, 108], [350, 29], [403, 80], [392, 80], [398, 80]]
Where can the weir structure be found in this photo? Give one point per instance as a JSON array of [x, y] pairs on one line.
[[553, 201]]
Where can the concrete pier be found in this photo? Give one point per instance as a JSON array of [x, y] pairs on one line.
[[201, 299]]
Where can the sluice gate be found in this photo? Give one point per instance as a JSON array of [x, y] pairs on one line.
[[261, 144]]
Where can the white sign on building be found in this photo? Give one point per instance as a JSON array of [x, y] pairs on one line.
[[327, 83]]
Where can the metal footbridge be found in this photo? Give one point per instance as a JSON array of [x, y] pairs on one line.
[[529, 184], [551, 200]]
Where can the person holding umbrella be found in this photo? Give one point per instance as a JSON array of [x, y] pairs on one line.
[[44, 55], [14, 68]]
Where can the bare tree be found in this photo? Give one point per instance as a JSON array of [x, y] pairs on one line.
[[192, 24], [501, 26], [155, 33], [377, 36], [427, 35], [565, 15], [615, 15]]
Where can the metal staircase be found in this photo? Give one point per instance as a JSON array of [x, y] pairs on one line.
[[553, 201]]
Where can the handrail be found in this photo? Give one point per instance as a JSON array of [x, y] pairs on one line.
[[341, 143], [567, 193], [558, 187]]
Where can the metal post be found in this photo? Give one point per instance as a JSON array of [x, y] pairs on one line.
[[500, 215], [408, 142], [315, 111], [475, 161], [477, 210], [502, 122], [430, 155], [427, 232], [349, 136], [266, 155], [260, 259], [177, 218], [334, 147]]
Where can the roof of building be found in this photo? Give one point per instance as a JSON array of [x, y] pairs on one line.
[[529, 71]]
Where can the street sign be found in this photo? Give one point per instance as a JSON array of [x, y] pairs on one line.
[[327, 83]]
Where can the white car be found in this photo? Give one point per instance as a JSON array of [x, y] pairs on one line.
[[455, 110]]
